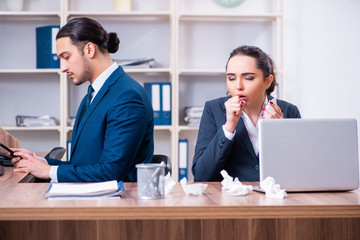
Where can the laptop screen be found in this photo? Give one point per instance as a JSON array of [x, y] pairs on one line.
[[310, 154]]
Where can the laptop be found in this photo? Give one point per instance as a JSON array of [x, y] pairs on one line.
[[310, 154]]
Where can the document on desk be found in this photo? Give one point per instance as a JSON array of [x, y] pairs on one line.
[[108, 189]]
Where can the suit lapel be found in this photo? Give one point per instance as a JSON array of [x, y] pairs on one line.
[[103, 91], [76, 124], [244, 138]]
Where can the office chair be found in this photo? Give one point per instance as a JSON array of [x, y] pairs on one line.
[[158, 158], [56, 153]]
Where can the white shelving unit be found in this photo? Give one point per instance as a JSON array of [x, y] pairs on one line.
[[26, 90], [190, 40], [206, 34]]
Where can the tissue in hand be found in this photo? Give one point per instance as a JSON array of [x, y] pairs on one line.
[[234, 187], [272, 190], [268, 105]]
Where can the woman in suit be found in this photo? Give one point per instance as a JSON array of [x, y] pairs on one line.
[[228, 133]]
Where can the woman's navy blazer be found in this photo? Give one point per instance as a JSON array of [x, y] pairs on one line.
[[214, 152]]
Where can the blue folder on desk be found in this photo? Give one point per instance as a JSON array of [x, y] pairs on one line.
[[46, 56]]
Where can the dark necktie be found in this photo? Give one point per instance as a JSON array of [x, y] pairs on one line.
[[87, 102]]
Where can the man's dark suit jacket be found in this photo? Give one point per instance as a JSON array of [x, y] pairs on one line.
[[214, 152], [115, 134]]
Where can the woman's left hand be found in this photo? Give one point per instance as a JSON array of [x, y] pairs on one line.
[[274, 112]]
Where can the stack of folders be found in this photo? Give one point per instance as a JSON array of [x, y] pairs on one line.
[[193, 115], [35, 121], [46, 56], [108, 189], [160, 96], [183, 158], [136, 63]]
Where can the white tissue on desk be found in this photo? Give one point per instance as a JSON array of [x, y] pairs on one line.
[[169, 184], [193, 189], [234, 186], [272, 190]]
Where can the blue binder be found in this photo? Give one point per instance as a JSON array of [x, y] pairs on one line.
[[165, 103], [154, 91], [46, 47], [183, 158], [68, 150]]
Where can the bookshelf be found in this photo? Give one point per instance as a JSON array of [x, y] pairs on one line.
[[206, 34], [190, 40]]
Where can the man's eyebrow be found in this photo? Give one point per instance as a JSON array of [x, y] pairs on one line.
[[61, 54]]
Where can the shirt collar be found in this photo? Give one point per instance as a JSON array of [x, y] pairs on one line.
[[253, 130], [263, 106], [100, 80]]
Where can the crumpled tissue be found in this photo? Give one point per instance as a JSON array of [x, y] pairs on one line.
[[234, 186], [272, 190], [169, 184], [193, 189]]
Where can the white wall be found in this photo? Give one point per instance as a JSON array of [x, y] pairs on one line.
[[322, 57]]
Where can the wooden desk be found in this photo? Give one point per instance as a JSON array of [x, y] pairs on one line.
[[26, 214]]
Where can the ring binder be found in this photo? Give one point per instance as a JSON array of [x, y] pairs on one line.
[[183, 158], [46, 56], [153, 89], [165, 103]]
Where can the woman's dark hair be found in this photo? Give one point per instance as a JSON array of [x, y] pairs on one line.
[[84, 30], [263, 62]]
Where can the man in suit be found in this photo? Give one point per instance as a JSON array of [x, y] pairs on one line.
[[114, 125]]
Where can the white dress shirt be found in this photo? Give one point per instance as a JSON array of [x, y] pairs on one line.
[[252, 130]]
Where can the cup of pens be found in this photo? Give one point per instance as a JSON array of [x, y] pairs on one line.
[[150, 180]]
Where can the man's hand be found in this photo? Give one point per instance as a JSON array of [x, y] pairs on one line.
[[30, 163]]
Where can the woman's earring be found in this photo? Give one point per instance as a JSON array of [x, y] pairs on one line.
[[227, 93]]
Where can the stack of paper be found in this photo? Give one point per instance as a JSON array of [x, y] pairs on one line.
[[35, 121], [85, 190], [136, 63], [193, 115], [71, 121]]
